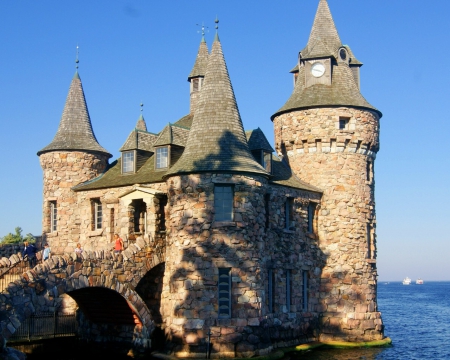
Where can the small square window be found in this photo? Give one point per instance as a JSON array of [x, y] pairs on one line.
[[343, 123], [128, 162], [162, 157]]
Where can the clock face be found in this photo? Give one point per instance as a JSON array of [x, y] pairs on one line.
[[318, 69]]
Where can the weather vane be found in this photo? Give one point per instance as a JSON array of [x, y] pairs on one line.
[[204, 28], [76, 60]]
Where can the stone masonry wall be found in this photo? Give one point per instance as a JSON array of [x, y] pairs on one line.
[[63, 170], [197, 247], [340, 162]]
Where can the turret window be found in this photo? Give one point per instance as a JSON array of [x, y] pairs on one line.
[[53, 216], [343, 123], [128, 162], [223, 202], [162, 157], [224, 293]]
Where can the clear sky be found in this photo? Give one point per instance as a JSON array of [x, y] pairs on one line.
[[133, 51]]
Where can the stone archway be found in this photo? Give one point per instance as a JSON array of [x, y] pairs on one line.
[[40, 288]]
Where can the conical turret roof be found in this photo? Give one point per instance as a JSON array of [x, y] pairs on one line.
[[75, 129], [324, 39], [201, 61], [141, 125], [323, 42], [217, 140]]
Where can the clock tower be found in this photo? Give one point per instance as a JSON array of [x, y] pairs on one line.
[[329, 135]]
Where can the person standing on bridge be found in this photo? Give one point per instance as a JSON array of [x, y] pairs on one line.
[[46, 252], [29, 251], [78, 252], [118, 245]]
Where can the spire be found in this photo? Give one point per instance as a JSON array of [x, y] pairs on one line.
[[141, 125], [324, 39], [343, 90], [75, 128], [217, 141], [201, 61]]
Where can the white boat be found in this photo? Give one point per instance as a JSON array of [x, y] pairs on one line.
[[419, 281], [406, 281]]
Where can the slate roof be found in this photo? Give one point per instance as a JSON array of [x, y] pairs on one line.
[[217, 140], [343, 90], [75, 129], [172, 135], [257, 140], [324, 39], [113, 177], [139, 140], [201, 61], [141, 125], [185, 121], [282, 175]]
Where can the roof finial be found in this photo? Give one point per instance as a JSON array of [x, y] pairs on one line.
[[204, 30], [142, 107], [217, 29], [76, 60]]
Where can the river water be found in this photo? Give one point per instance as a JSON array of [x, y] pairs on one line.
[[416, 317]]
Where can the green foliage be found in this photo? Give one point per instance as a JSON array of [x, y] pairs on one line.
[[17, 237]]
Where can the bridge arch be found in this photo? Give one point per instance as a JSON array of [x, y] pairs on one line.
[[98, 274]]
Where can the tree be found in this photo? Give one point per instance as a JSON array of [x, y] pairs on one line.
[[17, 237]]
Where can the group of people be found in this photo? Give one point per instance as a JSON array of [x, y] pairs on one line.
[[29, 251]]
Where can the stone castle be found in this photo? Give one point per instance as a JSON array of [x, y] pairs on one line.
[[260, 250]]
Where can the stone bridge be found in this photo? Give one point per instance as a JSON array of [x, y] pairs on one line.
[[112, 293]]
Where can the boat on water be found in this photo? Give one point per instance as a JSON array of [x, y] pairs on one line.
[[406, 281], [419, 281]]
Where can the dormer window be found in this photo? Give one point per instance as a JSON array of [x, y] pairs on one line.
[[128, 162], [267, 161], [162, 157], [264, 158]]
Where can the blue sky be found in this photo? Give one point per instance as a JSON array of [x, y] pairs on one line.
[[133, 51]]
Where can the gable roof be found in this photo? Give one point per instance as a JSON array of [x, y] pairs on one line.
[[257, 140], [75, 129]]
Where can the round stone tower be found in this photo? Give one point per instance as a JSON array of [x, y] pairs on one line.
[[329, 134], [74, 156], [213, 282]]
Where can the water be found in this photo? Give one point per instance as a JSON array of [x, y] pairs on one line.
[[416, 318]]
